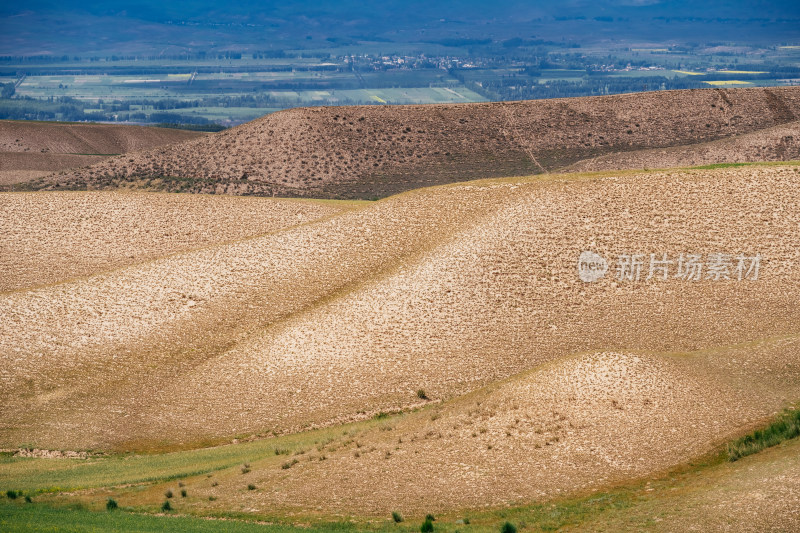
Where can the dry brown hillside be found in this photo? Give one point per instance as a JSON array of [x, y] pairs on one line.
[[367, 152], [49, 238], [779, 143], [447, 289], [31, 149], [572, 426]]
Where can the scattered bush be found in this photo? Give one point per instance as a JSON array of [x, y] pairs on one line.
[[212, 498], [421, 394], [397, 517], [166, 506], [183, 493], [466, 521], [508, 527], [11, 494], [168, 494], [426, 527], [430, 517], [785, 427], [28, 499], [251, 487], [288, 464], [111, 504], [245, 468], [214, 484]]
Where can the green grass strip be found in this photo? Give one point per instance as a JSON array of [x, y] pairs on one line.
[[30, 518], [785, 427]]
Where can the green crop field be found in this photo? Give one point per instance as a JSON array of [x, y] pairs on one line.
[[233, 87]]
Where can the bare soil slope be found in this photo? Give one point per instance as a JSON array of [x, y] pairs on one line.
[[779, 143], [446, 289], [32, 149], [572, 426], [76, 138], [52, 237], [367, 152], [758, 493]]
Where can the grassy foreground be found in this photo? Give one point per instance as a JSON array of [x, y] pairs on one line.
[[625, 508], [19, 518]]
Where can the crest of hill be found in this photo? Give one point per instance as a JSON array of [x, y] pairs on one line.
[[376, 151]]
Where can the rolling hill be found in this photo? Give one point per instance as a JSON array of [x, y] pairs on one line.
[[577, 333], [375, 151], [779, 143], [33, 149], [569, 427], [447, 289], [50, 238]]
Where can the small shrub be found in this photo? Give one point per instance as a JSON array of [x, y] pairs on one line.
[[183, 493], [251, 487], [466, 521], [397, 517], [245, 468], [11, 494], [426, 527], [168, 494], [111, 504], [430, 517], [166, 506], [180, 483], [508, 527], [214, 484], [28, 499], [212, 498], [421, 394], [288, 464]]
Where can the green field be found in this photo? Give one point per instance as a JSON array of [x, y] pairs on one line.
[[232, 88], [26, 518], [96, 90]]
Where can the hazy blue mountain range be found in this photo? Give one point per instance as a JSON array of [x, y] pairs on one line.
[[53, 27]]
